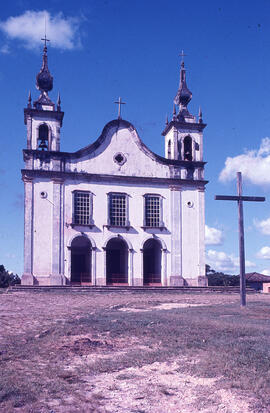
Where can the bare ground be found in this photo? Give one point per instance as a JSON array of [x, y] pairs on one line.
[[134, 352]]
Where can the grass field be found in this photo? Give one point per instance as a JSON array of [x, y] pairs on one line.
[[134, 352]]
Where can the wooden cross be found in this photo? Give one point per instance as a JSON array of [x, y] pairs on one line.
[[239, 198], [119, 103]]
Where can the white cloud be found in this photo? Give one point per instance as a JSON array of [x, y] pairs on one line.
[[263, 226], [254, 165], [265, 272], [220, 261], [30, 27], [213, 236], [264, 253]]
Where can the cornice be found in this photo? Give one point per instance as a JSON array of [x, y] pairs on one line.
[[65, 156], [98, 178], [199, 127], [49, 114]]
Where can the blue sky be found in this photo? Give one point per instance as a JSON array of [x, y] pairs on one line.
[[100, 50]]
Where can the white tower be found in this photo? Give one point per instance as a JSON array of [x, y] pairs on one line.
[[184, 147], [43, 122]]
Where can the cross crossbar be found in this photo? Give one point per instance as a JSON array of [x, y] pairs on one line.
[[239, 198], [45, 40]]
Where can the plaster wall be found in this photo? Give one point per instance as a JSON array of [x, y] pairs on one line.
[[135, 236], [191, 234], [138, 162], [171, 137], [42, 228]]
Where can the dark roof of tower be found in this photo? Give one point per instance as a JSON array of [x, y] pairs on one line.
[[44, 80]]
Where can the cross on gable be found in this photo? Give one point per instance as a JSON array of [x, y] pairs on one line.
[[119, 103], [240, 198]]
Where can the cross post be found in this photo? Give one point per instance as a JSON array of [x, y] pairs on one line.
[[119, 103], [240, 198]]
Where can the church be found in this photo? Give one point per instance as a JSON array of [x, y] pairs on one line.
[[113, 212]]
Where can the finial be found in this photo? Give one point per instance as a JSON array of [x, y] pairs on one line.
[[29, 100], [119, 103], [182, 54], [200, 115], [167, 121], [45, 42], [183, 96], [44, 79], [59, 102]]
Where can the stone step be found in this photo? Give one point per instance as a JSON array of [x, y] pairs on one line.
[[129, 289]]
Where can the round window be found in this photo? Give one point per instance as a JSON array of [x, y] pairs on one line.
[[119, 158]]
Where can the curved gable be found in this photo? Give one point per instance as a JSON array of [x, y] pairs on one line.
[[119, 140]]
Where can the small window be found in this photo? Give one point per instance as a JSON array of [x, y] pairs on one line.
[[118, 209], [82, 208], [152, 213], [187, 148]]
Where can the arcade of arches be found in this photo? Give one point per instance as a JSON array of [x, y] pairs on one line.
[[117, 255]]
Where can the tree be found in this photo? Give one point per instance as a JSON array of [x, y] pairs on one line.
[[8, 278], [220, 279]]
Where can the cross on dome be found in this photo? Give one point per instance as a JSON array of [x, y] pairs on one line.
[[45, 41], [182, 55]]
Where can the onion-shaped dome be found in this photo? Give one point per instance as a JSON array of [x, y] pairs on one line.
[[184, 95], [44, 80]]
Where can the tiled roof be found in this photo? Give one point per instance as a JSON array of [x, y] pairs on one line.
[[256, 277]]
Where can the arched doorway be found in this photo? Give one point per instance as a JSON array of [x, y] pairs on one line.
[[151, 262], [81, 257], [116, 262]]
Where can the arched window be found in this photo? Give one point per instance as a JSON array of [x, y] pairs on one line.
[[43, 136], [187, 148], [169, 150]]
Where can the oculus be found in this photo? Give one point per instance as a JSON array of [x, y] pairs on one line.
[[119, 158]]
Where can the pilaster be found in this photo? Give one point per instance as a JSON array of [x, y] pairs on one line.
[[201, 234], [57, 277], [176, 237], [27, 277], [130, 266]]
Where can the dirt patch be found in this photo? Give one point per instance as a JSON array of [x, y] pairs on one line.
[[114, 352], [163, 306]]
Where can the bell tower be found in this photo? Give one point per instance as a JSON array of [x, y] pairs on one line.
[[43, 198], [184, 133], [43, 119]]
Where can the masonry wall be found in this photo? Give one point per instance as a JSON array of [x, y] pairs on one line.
[[135, 236]]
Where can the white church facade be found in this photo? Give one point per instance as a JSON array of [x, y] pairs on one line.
[[114, 212]]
